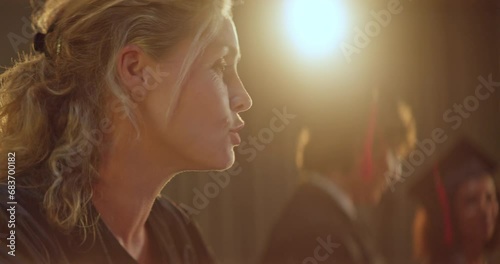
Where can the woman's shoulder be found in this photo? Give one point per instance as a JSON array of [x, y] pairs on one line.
[[23, 226], [177, 217], [184, 231], [20, 203]]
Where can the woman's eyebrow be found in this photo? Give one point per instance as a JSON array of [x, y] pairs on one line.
[[228, 49], [234, 53]]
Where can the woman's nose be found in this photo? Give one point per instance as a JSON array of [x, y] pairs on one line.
[[240, 99]]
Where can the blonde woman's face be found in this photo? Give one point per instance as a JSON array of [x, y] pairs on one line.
[[203, 129]]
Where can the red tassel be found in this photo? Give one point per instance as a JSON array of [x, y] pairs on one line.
[[367, 163], [445, 206]]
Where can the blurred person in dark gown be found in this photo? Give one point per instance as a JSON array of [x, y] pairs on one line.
[[346, 153]]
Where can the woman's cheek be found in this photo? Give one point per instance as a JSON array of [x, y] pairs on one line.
[[466, 211], [216, 78], [218, 82], [221, 89], [472, 210]]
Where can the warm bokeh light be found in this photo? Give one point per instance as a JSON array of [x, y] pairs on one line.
[[316, 26]]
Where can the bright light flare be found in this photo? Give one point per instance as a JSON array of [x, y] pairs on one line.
[[316, 26]]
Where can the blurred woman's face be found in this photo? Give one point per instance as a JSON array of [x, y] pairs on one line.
[[203, 129], [476, 206]]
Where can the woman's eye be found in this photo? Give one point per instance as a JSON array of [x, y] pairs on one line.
[[220, 66]]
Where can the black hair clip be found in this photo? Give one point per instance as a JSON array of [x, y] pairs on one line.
[[39, 42]]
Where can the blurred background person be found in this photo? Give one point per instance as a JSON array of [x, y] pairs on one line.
[[457, 221], [346, 153]]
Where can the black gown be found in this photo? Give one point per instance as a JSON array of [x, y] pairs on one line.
[[175, 236], [313, 228]]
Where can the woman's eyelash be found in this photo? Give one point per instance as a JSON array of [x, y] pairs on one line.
[[220, 66]]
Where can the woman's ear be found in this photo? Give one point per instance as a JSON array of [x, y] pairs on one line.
[[132, 63]]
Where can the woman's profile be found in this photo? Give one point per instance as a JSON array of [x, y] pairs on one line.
[[119, 97]]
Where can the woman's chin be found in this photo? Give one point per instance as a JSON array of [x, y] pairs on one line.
[[220, 162], [227, 162]]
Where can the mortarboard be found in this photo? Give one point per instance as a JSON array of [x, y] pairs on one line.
[[461, 162]]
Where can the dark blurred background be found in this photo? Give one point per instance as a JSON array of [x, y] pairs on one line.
[[431, 53]]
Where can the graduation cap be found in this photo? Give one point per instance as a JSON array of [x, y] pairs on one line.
[[462, 162]]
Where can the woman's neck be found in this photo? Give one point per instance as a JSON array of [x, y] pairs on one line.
[[131, 176]]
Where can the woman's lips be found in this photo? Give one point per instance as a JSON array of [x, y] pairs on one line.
[[235, 138], [233, 134]]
